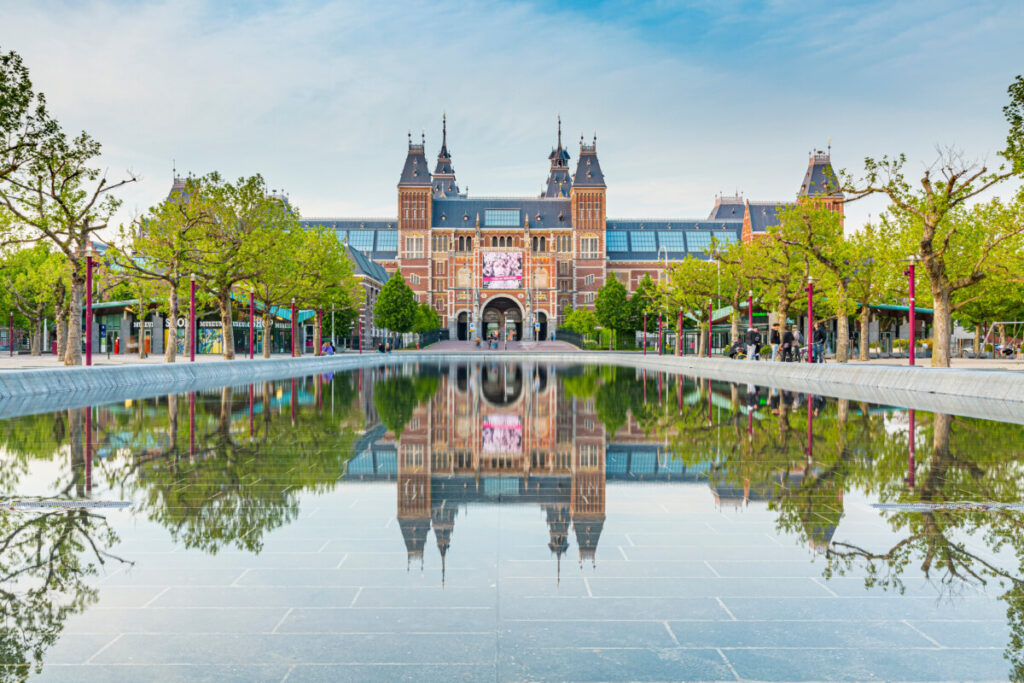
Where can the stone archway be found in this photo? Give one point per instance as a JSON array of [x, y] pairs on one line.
[[500, 316]]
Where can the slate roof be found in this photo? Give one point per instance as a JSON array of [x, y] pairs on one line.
[[559, 183], [588, 169], [415, 172], [820, 179], [376, 236], [730, 208], [763, 215], [543, 212], [364, 265]]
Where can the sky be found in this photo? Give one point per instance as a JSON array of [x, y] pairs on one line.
[[688, 99]]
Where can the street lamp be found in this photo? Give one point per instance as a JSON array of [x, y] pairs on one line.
[[252, 321], [750, 308], [192, 319], [659, 334], [88, 308], [910, 273], [810, 318], [645, 333], [710, 316]]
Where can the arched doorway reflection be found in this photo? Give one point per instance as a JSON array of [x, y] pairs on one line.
[[500, 317], [501, 384]]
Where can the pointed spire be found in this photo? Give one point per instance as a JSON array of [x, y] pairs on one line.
[[559, 131], [558, 176], [444, 174]]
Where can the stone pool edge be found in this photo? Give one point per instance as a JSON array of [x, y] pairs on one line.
[[991, 394]]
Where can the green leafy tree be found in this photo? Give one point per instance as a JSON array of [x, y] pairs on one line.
[[427, 319], [612, 307], [395, 309], [582, 321], [644, 300], [31, 278]]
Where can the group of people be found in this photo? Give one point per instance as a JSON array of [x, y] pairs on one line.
[[327, 348], [494, 337], [789, 339]]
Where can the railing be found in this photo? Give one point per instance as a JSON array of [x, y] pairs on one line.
[[574, 338], [434, 336]]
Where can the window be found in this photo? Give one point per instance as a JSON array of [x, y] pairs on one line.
[[414, 279], [361, 240], [414, 247], [536, 243], [725, 237], [697, 241], [616, 241], [543, 243], [462, 244], [673, 241], [501, 241], [588, 298], [642, 241], [494, 241], [589, 279], [342, 236], [563, 268], [387, 240], [589, 248], [469, 244], [501, 218], [563, 243]]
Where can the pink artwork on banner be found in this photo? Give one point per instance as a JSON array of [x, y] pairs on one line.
[[502, 434], [502, 270]]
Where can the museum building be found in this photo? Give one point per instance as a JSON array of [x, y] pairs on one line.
[[520, 264]]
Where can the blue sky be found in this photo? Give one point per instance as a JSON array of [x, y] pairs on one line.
[[687, 99]]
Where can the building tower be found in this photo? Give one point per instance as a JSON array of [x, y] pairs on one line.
[[821, 182], [414, 220], [588, 223], [559, 183], [444, 174]]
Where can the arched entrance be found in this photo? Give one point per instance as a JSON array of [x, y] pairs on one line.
[[542, 321], [462, 326], [500, 316]]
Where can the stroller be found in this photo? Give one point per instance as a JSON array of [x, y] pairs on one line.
[[737, 351]]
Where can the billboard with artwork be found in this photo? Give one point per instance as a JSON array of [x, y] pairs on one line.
[[501, 434], [502, 270]]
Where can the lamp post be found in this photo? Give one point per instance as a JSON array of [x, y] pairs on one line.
[[192, 319], [360, 334], [252, 322], [911, 445], [645, 333], [910, 273], [293, 327], [88, 308], [10, 334], [679, 340], [750, 308], [810, 319]]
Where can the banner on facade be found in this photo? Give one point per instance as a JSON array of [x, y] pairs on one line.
[[502, 434], [503, 270]]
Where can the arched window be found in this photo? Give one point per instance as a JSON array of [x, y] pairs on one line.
[[462, 243], [501, 241], [469, 244], [543, 244]]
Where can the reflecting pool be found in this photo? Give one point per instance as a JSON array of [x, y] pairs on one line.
[[509, 521]]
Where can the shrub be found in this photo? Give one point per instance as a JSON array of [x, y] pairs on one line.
[[766, 352], [989, 348]]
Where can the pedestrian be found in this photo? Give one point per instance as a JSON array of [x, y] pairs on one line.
[[775, 339], [819, 343], [798, 342], [751, 343], [787, 345]]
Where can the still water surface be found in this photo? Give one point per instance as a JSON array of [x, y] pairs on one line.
[[510, 522]]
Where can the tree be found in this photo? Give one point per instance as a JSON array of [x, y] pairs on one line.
[[246, 222], [691, 284], [582, 321], [427, 319], [158, 247], [873, 277], [395, 309], [326, 275], [24, 121], [32, 277], [956, 252], [612, 307], [644, 300], [780, 271]]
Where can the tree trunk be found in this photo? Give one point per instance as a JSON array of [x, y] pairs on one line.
[[36, 341], [781, 317], [268, 328], [73, 351], [227, 331], [843, 326], [702, 340], [865, 326], [734, 328], [317, 334], [977, 340], [943, 327], [172, 420], [171, 350]]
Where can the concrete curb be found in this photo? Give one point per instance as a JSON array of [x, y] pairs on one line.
[[989, 394]]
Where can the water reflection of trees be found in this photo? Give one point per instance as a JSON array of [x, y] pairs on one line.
[[46, 558]]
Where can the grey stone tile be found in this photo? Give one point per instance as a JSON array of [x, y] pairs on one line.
[[257, 596], [415, 673], [377, 596], [412, 619], [862, 665], [298, 649], [518, 635], [992, 633], [175, 620], [713, 587], [776, 634], [858, 609], [139, 672], [611, 664], [612, 608]]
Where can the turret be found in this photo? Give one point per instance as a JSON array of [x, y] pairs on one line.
[[559, 184], [444, 174]]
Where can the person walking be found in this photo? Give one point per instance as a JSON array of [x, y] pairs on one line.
[[819, 343], [787, 345], [751, 343], [798, 342], [775, 340]]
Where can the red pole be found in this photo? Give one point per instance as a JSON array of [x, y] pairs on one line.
[[679, 341], [360, 334], [750, 308], [645, 333], [659, 334], [88, 450], [913, 313], [251, 397], [810, 427], [252, 323], [191, 423], [192, 324], [911, 467], [294, 400], [10, 338], [319, 329], [294, 334], [810, 320], [88, 310]]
